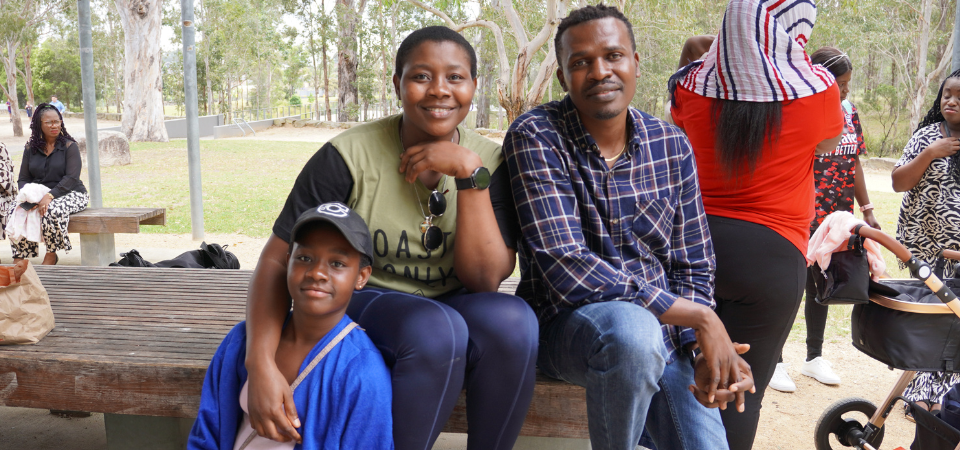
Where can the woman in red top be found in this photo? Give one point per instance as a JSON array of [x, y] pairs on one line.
[[756, 110]]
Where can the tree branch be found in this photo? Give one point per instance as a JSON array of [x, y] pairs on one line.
[[515, 23], [493, 27]]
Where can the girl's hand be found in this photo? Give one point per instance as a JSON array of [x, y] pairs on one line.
[[943, 147], [439, 156]]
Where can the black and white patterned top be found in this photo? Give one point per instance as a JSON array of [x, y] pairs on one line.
[[8, 188], [930, 212]]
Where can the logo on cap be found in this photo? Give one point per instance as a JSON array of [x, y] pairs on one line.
[[334, 209]]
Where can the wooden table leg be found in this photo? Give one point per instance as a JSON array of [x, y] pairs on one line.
[[126, 432], [97, 249]]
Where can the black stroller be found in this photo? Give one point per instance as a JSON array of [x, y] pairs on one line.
[[908, 328]]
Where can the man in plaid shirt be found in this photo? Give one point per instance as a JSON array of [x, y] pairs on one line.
[[616, 256]]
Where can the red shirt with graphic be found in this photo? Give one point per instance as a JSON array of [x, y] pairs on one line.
[[834, 173]]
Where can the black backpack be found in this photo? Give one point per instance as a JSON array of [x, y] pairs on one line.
[[209, 256]]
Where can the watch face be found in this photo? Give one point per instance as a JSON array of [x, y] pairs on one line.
[[482, 178]]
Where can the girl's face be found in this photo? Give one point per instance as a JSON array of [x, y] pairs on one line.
[[436, 89], [950, 101], [50, 124], [843, 82]]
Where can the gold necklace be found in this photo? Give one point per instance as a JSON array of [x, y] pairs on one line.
[[617, 156]]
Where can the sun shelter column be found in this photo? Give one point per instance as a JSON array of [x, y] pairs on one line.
[[193, 124], [89, 102]]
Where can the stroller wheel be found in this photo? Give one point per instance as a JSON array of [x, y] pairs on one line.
[[846, 420]]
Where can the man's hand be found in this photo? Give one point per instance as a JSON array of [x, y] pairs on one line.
[[734, 392], [270, 403], [723, 368]]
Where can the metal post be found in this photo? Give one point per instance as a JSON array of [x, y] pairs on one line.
[[193, 123], [89, 102], [956, 39]]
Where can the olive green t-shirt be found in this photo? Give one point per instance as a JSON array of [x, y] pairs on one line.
[[389, 205]]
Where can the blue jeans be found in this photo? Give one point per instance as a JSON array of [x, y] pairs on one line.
[[615, 350]]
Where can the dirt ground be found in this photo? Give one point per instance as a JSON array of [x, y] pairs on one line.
[[787, 420]]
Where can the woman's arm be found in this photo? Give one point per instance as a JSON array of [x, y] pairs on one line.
[[908, 175], [272, 411], [860, 192], [481, 257], [828, 145]]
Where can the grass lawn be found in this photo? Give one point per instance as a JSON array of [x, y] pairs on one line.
[[245, 183]]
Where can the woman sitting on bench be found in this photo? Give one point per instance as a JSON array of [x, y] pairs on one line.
[[444, 233], [51, 158]]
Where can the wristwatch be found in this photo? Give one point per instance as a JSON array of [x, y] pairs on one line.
[[479, 179]]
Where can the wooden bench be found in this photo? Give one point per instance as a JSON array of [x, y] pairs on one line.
[[98, 225], [134, 343]]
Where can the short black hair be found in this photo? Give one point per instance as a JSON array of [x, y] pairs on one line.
[[836, 61], [433, 34], [310, 227], [586, 14]]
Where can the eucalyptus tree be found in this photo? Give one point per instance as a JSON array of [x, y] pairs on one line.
[[18, 22], [142, 75], [349, 16]]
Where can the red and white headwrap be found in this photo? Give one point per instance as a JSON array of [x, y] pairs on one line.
[[759, 55]]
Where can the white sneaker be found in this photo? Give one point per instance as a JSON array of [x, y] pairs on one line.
[[820, 369], [781, 380]]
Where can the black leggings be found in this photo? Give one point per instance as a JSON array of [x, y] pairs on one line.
[[816, 317], [486, 343], [760, 280]]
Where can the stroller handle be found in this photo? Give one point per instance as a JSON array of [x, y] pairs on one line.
[[918, 269]]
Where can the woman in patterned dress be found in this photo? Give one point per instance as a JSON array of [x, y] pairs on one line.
[[929, 175], [8, 188], [51, 158]]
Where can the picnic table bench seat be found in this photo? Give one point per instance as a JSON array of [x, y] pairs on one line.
[[98, 225], [134, 343]]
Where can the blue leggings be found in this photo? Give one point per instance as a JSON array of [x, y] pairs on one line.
[[486, 343]]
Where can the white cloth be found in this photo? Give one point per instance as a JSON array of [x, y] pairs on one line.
[[833, 235], [25, 224], [759, 55]]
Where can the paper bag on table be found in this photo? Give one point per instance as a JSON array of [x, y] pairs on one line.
[[25, 313]]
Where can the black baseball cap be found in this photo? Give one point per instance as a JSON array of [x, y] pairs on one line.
[[350, 224]]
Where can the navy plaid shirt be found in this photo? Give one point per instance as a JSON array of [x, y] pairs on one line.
[[636, 232]]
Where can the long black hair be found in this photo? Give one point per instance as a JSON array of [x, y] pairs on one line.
[[934, 115], [742, 130], [36, 141]]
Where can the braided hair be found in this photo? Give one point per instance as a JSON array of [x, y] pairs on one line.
[[934, 115], [37, 142]]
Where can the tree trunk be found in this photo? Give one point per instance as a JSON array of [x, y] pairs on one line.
[[350, 13], [483, 103], [143, 98], [326, 79], [921, 83], [28, 76], [10, 66]]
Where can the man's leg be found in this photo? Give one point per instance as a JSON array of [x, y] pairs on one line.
[[677, 420], [616, 351]]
